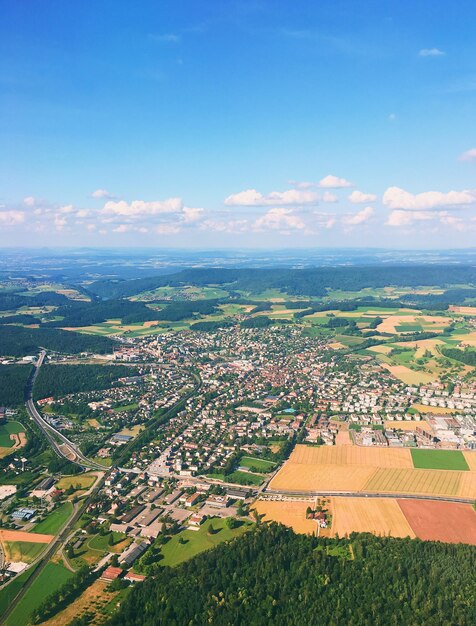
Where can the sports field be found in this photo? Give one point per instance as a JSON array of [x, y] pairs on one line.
[[292, 514], [380, 516], [381, 470]]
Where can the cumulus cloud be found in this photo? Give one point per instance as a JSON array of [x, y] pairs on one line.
[[334, 182], [226, 226], [66, 209], [359, 218], [60, 222], [29, 201], [251, 197], [191, 215], [167, 229], [140, 208], [328, 196], [102, 193], [399, 217], [128, 228], [279, 219], [431, 52], [12, 218], [397, 198], [469, 155], [359, 196]]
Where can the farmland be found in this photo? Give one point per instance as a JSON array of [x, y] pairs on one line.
[[379, 516], [292, 514], [7, 430], [82, 481], [24, 551], [439, 459], [53, 523], [441, 521], [380, 470]]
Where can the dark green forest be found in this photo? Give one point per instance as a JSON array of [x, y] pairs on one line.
[[310, 282], [13, 379], [468, 357], [273, 576], [19, 341], [60, 380]]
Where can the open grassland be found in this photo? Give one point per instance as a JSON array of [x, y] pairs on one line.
[[292, 514], [439, 459], [90, 602], [379, 516], [52, 577], [380, 470], [22, 551], [8, 593], [174, 552], [80, 481], [441, 521], [53, 523], [256, 464]]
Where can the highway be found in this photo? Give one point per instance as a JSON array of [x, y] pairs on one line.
[[66, 449]]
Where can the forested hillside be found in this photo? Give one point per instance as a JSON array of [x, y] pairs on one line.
[[272, 576], [310, 282], [60, 380], [20, 341], [13, 379]]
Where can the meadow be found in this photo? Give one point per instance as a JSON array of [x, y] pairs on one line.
[[439, 459], [55, 521]]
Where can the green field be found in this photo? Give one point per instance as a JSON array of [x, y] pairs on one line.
[[101, 542], [197, 541], [408, 328], [79, 481], [23, 550], [52, 577], [439, 460], [55, 520], [243, 478], [7, 429], [260, 465], [8, 593]]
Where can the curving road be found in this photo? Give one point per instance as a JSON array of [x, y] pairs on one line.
[[66, 449]]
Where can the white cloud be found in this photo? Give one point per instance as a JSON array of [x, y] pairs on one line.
[[400, 217], [102, 193], [329, 197], [82, 213], [29, 201], [431, 52], [359, 196], [140, 208], [290, 197], [167, 229], [91, 227], [67, 209], [469, 155], [223, 226], [251, 197], [397, 198], [60, 222], [11, 218], [191, 214], [359, 218], [334, 182], [279, 219], [128, 228]]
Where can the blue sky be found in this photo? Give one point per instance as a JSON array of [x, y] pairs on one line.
[[244, 124]]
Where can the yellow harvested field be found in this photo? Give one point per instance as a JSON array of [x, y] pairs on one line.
[[389, 323], [304, 477], [351, 455], [409, 426], [466, 340], [408, 376], [419, 481], [292, 514], [425, 408], [89, 601], [470, 459], [336, 345], [380, 516], [464, 310], [382, 349], [80, 481], [467, 486]]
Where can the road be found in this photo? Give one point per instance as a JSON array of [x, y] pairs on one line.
[[66, 449], [274, 493]]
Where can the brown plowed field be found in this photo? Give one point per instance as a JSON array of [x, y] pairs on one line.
[[369, 515], [441, 521], [21, 535]]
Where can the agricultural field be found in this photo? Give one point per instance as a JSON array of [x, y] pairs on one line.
[[385, 470], [292, 514], [379, 516], [9, 434], [52, 577], [55, 521], [439, 459], [441, 521], [24, 536], [22, 551], [174, 552]]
